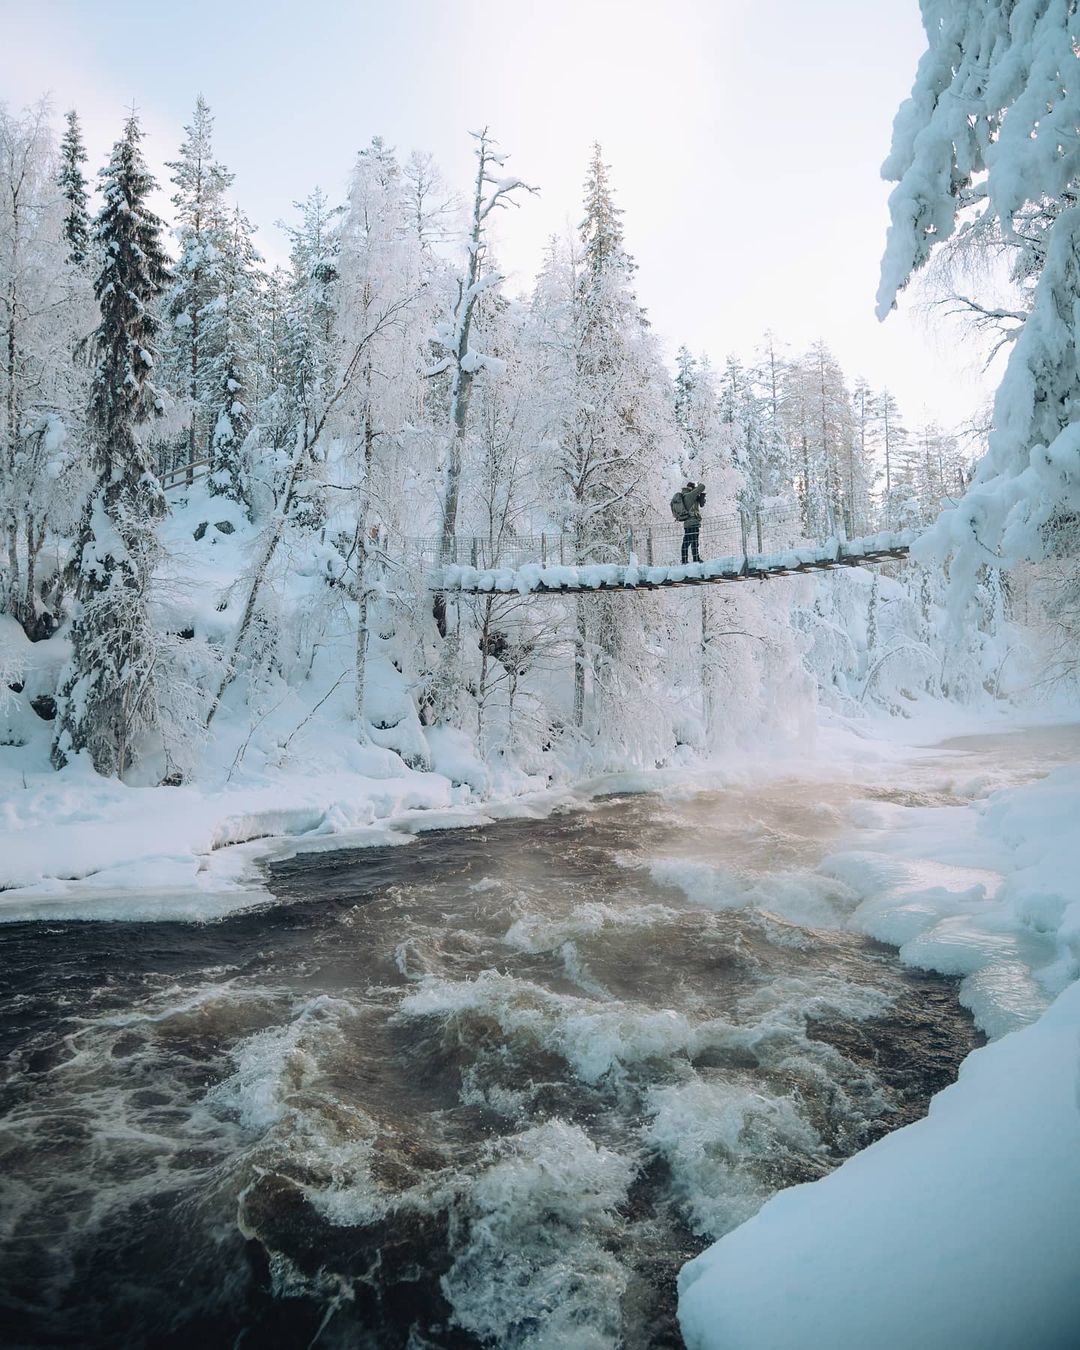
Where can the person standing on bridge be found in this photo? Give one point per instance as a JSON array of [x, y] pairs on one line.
[[686, 507]]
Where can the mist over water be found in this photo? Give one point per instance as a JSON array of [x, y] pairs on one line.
[[491, 1089]]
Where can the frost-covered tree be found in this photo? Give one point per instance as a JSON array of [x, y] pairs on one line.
[[45, 307], [314, 243], [72, 183], [710, 431], [201, 228], [491, 192], [775, 470], [829, 482], [463, 361], [108, 697], [382, 263], [991, 128], [617, 433], [230, 338]]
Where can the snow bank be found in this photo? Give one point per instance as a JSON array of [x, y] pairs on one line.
[[987, 891], [958, 1232], [955, 1233], [81, 846]]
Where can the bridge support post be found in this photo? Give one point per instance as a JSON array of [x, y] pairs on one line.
[[648, 548], [744, 527]]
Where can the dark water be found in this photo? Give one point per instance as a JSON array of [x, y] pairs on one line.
[[493, 1088]]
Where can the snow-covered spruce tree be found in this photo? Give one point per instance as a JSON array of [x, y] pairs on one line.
[[311, 303], [618, 434], [272, 405], [72, 183], [230, 338], [743, 410], [107, 697], [991, 127], [201, 227]]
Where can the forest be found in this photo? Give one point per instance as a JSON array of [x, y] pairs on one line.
[[180, 418]]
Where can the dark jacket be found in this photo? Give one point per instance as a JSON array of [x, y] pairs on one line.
[[687, 503]]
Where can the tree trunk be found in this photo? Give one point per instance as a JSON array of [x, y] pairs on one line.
[[362, 567], [481, 693], [580, 635], [707, 683]]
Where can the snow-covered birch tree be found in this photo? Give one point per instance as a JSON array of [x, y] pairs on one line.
[[381, 266], [492, 191]]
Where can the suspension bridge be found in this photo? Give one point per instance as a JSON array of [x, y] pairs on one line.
[[736, 547], [733, 548]]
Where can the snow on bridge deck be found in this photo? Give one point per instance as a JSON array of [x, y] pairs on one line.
[[560, 578]]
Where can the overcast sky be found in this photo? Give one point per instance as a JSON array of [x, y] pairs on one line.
[[745, 138]]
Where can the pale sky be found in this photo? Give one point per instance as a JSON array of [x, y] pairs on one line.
[[744, 138]]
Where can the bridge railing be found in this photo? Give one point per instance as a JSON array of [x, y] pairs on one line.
[[740, 535]]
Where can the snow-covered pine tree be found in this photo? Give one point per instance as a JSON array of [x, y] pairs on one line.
[[309, 356], [620, 431], [72, 184], [891, 438], [107, 699], [314, 245], [230, 338], [201, 228], [272, 404]]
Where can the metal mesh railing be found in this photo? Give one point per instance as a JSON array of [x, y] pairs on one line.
[[658, 543]]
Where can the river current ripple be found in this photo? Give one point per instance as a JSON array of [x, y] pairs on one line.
[[493, 1088]]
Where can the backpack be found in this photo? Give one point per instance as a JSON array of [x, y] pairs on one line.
[[678, 506]]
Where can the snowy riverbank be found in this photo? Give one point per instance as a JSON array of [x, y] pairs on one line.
[[80, 846], [957, 1232], [950, 1233]]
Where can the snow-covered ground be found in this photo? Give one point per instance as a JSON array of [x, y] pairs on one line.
[[958, 1232]]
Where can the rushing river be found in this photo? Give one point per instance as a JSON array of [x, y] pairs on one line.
[[492, 1088]]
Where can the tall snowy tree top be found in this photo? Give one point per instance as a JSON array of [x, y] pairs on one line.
[[72, 184], [134, 272], [601, 228], [200, 181], [996, 93]]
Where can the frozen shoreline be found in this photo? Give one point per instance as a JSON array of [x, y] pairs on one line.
[[81, 847], [957, 1232]]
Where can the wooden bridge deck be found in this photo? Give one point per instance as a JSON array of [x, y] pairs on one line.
[[531, 580]]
